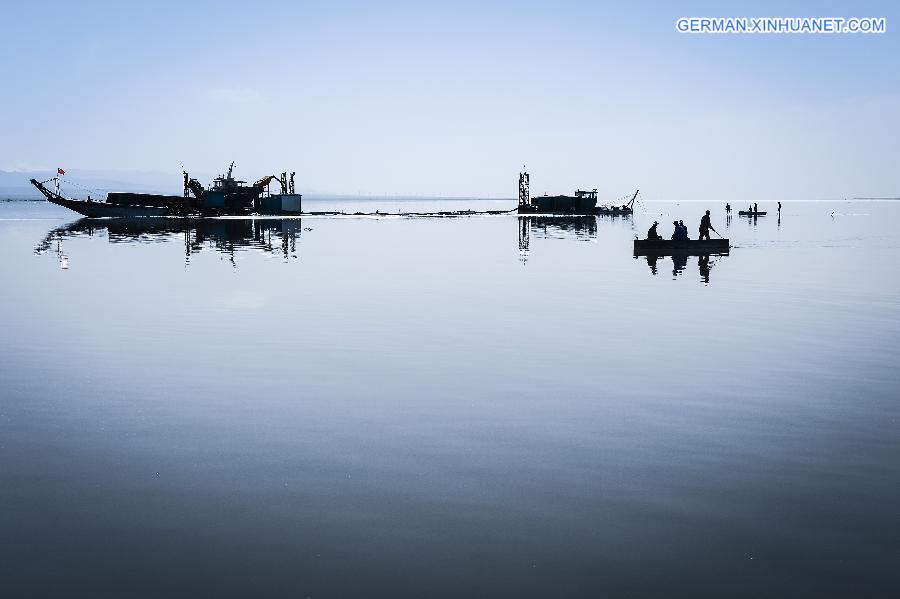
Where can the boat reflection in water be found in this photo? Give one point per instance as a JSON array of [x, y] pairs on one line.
[[579, 228], [224, 235], [680, 262]]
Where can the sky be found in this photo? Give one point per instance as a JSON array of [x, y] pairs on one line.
[[452, 99]]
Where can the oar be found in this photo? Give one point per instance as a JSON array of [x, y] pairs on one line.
[[717, 233]]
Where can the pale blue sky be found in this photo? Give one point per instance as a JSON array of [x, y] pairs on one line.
[[453, 98]]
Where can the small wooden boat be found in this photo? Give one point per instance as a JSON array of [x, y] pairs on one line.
[[666, 247], [749, 213]]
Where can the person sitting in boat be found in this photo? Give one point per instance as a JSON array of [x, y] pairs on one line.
[[705, 226], [684, 229], [651, 232], [680, 233]]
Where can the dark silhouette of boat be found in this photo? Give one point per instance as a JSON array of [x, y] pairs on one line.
[[750, 213], [668, 247], [582, 203], [226, 196], [94, 209]]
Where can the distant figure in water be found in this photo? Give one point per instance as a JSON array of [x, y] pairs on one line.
[[755, 210], [651, 232], [705, 226], [779, 207], [727, 207]]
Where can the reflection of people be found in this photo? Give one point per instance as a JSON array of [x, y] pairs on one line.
[[651, 262], [705, 226], [703, 263], [679, 263], [651, 232]]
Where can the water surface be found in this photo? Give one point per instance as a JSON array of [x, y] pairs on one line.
[[484, 406]]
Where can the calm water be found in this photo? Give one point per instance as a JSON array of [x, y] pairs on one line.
[[488, 406]]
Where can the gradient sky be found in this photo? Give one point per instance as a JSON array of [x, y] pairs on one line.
[[451, 99]]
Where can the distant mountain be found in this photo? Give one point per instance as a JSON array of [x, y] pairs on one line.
[[15, 184], [79, 183]]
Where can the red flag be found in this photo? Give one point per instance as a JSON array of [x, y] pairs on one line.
[[59, 171]]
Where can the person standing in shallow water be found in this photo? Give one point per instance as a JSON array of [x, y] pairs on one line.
[[705, 226]]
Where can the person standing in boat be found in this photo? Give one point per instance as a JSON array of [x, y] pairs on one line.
[[651, 232], [705, 226]]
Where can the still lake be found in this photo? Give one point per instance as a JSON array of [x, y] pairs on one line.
[[481, 406]]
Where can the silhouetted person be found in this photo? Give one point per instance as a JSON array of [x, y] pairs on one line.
[[705, 226], [755, 209], [677, 233], [727, 207], [779, 207], [651, 232], [684, 230]]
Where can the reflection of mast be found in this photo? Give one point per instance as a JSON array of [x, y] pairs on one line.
[[524, 237]]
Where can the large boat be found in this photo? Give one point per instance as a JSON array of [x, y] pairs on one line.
[[226, 196], [667, 247], [583, 202]]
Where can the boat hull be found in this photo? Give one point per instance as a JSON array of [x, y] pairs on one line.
[[748, 213], [666, 247], [104, 210]]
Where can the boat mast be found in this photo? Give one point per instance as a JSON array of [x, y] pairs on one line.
[[524, 189], [631, 203]]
